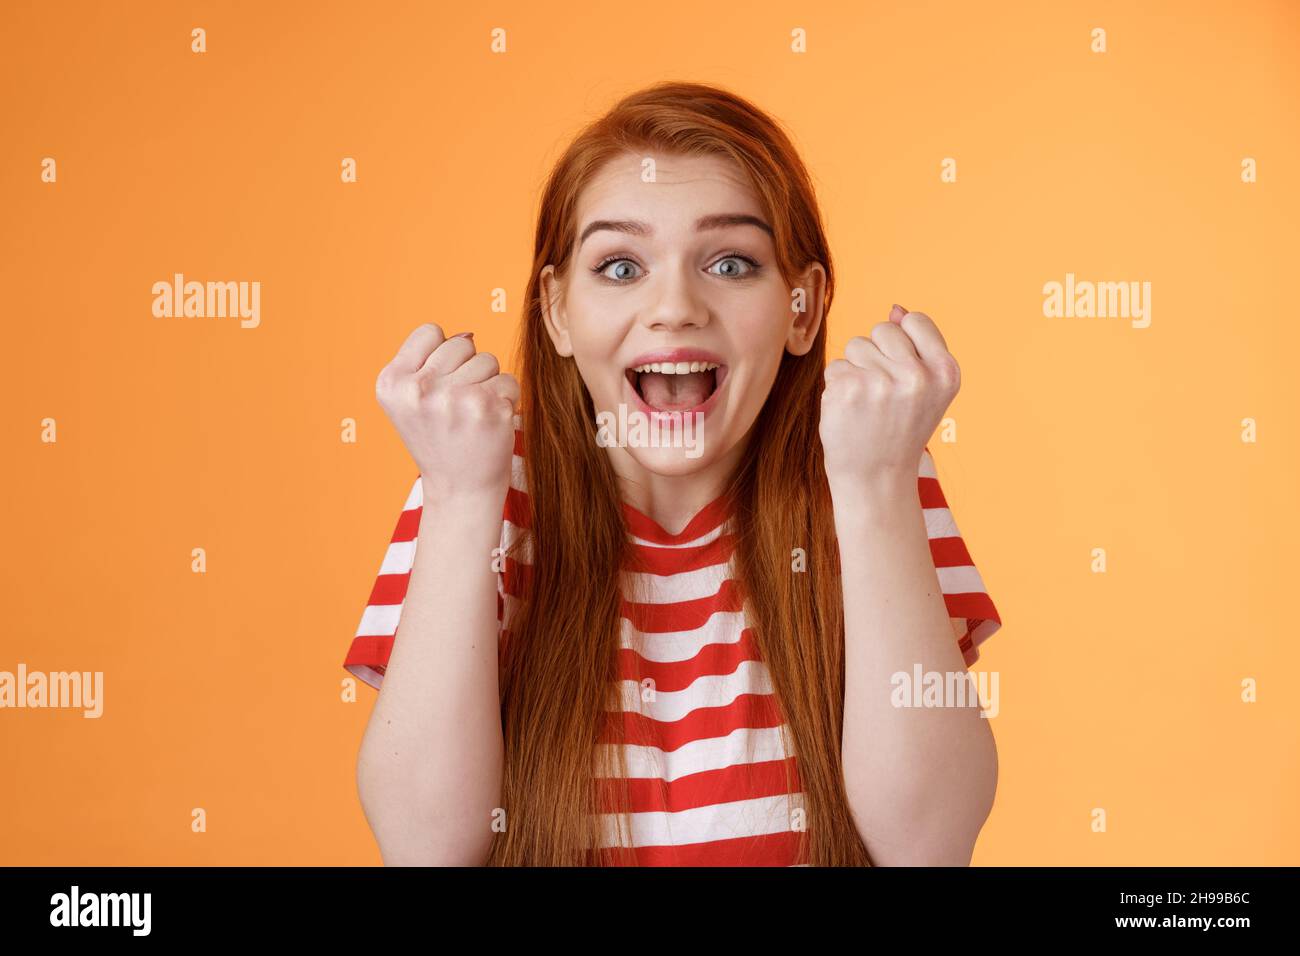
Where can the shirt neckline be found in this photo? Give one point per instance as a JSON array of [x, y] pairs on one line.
[[705, 520]]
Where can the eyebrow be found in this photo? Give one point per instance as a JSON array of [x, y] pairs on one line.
[[635, 227]]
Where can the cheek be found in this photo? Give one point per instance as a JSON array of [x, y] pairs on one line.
[[764, 345], [766, 319], [758, 383], [761, 335], [595, 343], [595, 346]]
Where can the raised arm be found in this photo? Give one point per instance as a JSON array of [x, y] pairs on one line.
[[920, 781], [429, 769]]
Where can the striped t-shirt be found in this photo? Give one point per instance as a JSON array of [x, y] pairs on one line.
[[708, 772]]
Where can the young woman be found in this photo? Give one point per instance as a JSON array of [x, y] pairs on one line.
[[684, 651]]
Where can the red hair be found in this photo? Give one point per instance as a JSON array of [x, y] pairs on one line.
[[559, 661]]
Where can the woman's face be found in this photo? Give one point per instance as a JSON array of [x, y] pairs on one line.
[[674, 311]]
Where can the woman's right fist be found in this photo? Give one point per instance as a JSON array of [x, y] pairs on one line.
[[454, 410]]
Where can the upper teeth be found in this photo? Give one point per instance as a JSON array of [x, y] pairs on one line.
[[679, 368]]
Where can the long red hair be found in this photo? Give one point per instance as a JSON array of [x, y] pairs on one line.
[[559, 664]]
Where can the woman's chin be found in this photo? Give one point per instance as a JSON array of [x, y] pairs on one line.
[[671, 461]]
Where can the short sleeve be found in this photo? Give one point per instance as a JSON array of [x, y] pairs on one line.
[[367, 656], [970, 607]]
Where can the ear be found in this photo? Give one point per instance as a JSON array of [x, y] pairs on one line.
[[810, 294], [557, 324]]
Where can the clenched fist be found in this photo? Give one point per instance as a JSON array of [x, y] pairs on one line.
[[884, 399], [454, 409]]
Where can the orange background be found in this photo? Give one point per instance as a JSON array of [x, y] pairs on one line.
[[222, 690]]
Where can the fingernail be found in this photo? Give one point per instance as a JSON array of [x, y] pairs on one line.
[[463, 335], [896, 313]]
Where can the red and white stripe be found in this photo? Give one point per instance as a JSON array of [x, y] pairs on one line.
[[700, 726]]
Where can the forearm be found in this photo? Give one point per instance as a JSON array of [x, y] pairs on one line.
[[920, 780], [429, 771]]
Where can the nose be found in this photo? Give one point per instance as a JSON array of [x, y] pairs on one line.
[[675, 302]]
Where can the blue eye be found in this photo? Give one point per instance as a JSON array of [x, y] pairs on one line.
[[623, 276], [613, 260], [751, 266]]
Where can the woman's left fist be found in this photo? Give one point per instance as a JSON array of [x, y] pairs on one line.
[[884, 399]]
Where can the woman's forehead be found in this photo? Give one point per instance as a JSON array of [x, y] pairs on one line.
[[664, 181]]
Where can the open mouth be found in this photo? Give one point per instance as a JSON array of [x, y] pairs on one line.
[[675, 386]]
